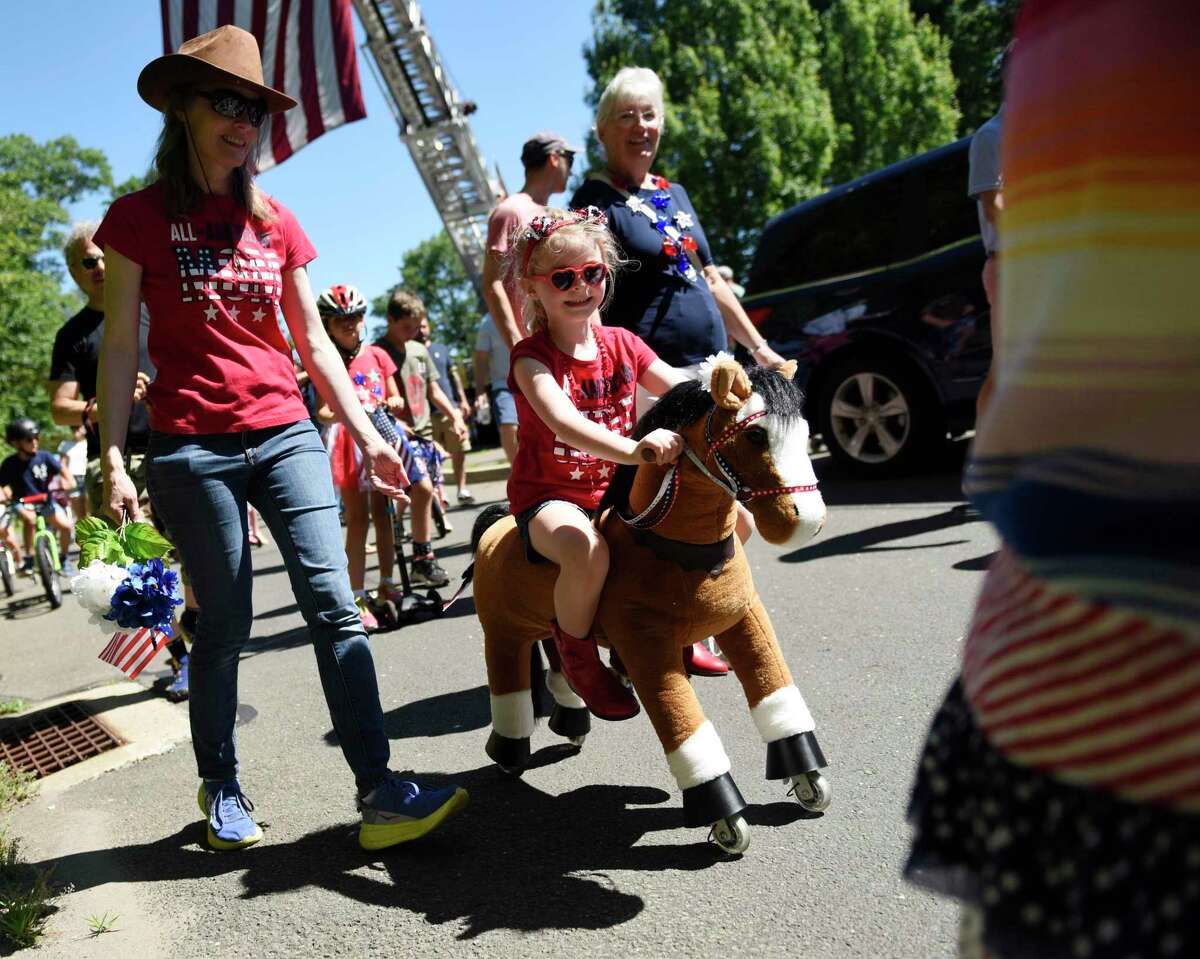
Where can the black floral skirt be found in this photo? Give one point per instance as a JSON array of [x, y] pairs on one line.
[[1056, 871]]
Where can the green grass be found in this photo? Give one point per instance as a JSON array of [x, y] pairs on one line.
[[16, 786], [99, 925], [26, 898], [10, 706]]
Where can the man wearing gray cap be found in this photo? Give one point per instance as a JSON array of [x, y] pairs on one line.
[[547, 159]]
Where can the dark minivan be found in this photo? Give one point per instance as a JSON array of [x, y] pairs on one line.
[[874, 288]]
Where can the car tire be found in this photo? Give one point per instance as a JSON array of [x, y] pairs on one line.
[[878, 415]]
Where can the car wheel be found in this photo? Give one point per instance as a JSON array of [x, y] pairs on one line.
[[877, 416]]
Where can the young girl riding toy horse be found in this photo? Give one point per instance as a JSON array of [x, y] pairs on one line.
[[574, 383]]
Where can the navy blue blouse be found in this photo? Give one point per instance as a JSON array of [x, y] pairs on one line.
[[678, 318]]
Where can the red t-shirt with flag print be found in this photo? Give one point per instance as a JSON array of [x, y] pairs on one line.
[[602, 389], [212, 282]]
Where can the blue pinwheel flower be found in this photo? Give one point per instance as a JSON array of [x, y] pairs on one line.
[[146, 598], [661, 200]]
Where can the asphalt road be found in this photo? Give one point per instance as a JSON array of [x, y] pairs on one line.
[[586, 854]]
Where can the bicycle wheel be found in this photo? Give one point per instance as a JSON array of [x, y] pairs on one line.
[[7, 571], [47, 572]]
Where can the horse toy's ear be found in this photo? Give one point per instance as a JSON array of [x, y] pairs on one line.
[[730, 385], [788, 370]]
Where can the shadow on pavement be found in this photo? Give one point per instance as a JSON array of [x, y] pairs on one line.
[[461, 711], [939, 480], [29, 607], [287, 610], [517, 859], [978, 564], [285, 639], [869, 540]]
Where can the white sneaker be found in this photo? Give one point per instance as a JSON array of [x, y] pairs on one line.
[[466, 497]]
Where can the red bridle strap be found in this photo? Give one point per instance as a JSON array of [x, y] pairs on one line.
[[741, 492]]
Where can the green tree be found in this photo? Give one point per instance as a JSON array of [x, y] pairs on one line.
[[978, 31], [36, 180], [132, 184], [889, 81], [432, 269], [749, 129]]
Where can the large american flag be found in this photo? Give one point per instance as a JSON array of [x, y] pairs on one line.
[[308, 52]]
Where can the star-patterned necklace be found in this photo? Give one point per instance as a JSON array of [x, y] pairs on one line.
[[677, 242]]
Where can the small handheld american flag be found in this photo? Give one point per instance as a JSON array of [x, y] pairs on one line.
[[132, 652]]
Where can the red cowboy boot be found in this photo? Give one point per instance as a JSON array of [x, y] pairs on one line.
[[698, 661], [595, 683]]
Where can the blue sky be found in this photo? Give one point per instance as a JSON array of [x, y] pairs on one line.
[[71, 67]]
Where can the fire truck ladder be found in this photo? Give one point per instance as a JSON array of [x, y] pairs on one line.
[[433, 124]]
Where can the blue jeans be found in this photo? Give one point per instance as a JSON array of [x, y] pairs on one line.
[[200, 485]]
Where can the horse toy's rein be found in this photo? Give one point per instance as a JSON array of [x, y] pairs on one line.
[[731, 485]]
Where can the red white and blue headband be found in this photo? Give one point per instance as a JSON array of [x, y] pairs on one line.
[[541, 227]]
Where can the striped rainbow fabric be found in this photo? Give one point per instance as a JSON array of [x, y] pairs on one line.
[[1083, 659]]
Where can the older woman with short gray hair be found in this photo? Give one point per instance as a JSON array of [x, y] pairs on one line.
[[674, 298]]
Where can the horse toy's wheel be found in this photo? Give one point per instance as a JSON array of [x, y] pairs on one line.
[[812, 791], [731, 834]]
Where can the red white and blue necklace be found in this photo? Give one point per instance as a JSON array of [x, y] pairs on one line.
[[677, 241]]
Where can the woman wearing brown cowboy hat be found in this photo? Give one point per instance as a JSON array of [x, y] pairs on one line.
[[215, 259]]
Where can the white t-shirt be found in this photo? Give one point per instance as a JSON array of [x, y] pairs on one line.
[[74, 452]]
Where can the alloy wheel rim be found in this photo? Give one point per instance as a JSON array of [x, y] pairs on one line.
[[870, 418]]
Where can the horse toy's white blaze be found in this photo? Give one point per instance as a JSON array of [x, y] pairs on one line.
[[789, 450], [788, 447]]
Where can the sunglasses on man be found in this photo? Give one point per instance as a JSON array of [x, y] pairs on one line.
[[565, 277], [232, 106], [91, 262]]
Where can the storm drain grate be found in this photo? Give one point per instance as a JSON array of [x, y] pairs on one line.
[[53, 739]]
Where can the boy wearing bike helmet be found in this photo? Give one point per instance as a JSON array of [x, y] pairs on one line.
[[29, 472], [372, 371]]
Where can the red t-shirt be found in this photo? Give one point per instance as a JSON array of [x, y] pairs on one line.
[[369, 371], [212, 283], [546, 466]]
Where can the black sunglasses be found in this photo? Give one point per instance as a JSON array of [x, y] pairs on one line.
[[232, 105], [91, 262]]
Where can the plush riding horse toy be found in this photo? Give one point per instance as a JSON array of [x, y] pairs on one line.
[[677, 575]]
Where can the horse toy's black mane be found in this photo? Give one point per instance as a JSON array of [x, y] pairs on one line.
[[685, 403]]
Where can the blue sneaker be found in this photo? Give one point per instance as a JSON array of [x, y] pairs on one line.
[[398, 811], [177, 692], [228, 811]]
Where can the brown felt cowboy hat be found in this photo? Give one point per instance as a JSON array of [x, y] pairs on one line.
[[227, 56]]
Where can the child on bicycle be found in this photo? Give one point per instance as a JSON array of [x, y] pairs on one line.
[[574, 382], [343, 310], [30, 472]]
